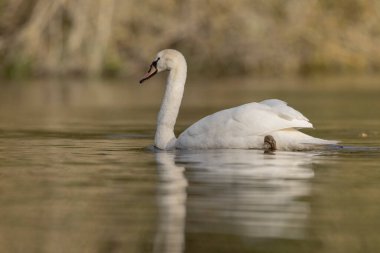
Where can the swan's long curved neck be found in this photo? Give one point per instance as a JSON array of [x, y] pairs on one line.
[[165, 138]]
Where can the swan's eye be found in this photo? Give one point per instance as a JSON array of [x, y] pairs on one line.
[[154, 63]]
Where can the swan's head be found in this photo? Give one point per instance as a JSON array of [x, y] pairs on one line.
[[166, 59]]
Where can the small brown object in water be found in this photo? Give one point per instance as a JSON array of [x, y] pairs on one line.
[[269, 143]]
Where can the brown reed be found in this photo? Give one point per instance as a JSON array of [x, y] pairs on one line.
[[118, 37]]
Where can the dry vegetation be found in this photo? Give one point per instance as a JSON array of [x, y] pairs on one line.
[[112, 37]]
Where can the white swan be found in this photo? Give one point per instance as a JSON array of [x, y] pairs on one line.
[[243, 127]]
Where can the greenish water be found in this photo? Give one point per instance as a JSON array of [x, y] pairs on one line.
[[76, 176]]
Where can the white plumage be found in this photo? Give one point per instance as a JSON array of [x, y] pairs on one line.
[[241, 127]]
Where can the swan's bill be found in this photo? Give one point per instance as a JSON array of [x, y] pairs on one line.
[[151, 72]]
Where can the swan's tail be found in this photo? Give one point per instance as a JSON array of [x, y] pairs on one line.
[[292, 139]]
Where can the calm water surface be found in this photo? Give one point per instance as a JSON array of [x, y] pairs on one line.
[[76, 174]]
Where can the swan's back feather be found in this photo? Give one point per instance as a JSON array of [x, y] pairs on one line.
[[242, 126], [283, 110]]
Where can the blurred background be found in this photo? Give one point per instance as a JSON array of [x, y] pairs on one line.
[[111, 38]]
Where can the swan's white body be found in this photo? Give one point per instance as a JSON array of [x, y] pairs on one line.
[[241, 127]]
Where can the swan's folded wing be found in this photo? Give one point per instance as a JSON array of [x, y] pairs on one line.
[[269, 116]]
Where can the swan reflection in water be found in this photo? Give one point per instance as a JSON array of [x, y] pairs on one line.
[[234, 192]]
